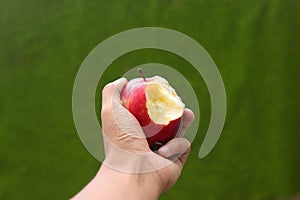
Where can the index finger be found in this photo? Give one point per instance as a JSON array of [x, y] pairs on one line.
[[187, 119]]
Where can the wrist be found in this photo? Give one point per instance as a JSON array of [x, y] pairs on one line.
[[115, 185], [130, 185]]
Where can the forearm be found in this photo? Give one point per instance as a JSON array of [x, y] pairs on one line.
[[115, 185]]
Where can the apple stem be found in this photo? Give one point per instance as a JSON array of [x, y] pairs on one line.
[[142, 74]]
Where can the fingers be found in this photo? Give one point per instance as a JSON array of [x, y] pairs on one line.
[[118, 124], [111, 94], [110, 101], [187, 119], [113, 90], [176, 148]]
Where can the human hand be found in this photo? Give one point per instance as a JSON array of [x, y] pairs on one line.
[[124, 134], [128, 154]]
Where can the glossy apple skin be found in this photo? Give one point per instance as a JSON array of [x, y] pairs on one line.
[[134, 99]]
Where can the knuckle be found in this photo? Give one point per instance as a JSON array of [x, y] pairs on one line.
[[107, 89]]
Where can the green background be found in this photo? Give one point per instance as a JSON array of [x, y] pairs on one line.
[[255, 44]]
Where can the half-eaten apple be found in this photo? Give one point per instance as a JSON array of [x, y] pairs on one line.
[[156, 106]]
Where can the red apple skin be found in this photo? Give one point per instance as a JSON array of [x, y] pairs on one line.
[[134, 99]]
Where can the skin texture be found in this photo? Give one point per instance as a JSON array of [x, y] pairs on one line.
[[134, 98], [122, 131]]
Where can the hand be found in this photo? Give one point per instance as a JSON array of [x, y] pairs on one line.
[[128, 156]]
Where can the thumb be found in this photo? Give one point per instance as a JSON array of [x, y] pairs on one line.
[[177, 148]]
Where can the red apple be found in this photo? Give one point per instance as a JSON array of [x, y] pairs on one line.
[[156, 106]]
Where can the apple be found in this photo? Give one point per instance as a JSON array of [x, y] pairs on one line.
[[156, 106]]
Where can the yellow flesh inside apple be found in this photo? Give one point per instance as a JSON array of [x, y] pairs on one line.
[[162, 102]]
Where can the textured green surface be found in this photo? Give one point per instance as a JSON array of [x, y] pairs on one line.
[[254, 43]]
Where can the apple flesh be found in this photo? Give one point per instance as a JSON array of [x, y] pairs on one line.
[[156, 106]]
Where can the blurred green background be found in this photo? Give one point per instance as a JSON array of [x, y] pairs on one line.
[[255, 44]]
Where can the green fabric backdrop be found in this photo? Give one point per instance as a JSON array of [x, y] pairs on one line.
[[254, 43]]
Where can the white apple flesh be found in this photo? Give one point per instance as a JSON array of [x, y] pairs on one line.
[[156, 106]]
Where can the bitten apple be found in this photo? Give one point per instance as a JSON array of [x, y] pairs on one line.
[[156, 106]]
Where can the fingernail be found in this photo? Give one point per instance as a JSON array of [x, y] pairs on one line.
[[164, 150]]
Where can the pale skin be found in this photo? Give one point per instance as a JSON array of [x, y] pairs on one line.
[[112, 182]]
